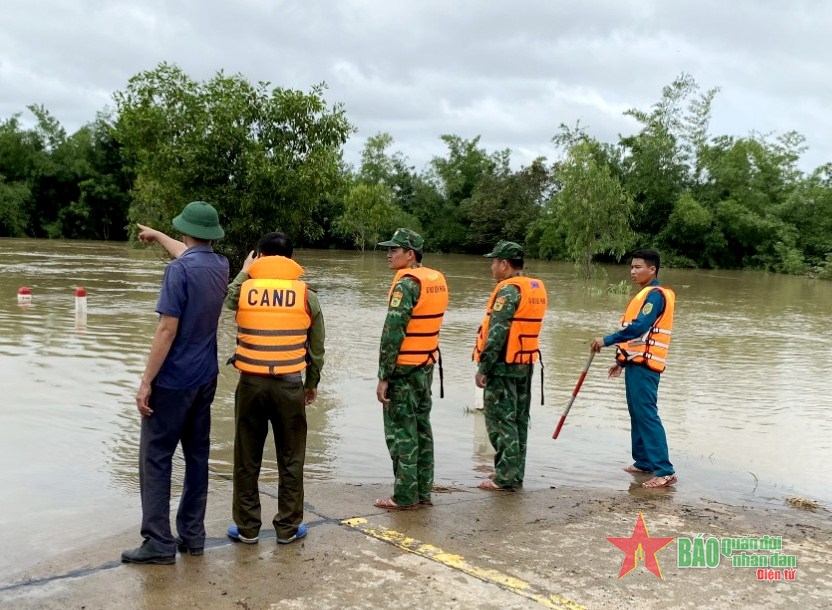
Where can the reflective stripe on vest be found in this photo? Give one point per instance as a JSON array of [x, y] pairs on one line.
[[651, 348], [523, 344], [421, 341], [273, 319]]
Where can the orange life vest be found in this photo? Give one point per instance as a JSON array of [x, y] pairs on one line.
[[523, 345], [273, 318], [651, 348], [421, 341]]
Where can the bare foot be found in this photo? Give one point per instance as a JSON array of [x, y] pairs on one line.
[[389, 504], [490, 485], [634, 470]]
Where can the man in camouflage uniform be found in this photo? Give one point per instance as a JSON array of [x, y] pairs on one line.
[[507, 385], [405, 369]]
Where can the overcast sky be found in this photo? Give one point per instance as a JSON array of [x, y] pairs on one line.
[[509, 71]]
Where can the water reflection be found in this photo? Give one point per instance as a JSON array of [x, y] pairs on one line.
[[745, 399]]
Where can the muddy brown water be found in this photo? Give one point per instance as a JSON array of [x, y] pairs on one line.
[[746, 399]]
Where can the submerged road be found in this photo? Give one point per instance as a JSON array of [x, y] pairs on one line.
[[546, 548]]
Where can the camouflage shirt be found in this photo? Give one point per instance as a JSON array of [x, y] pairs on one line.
[[492, 358], [399, 310]]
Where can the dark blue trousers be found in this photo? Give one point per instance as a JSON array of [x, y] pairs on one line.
[[646, 430], [178, 416]]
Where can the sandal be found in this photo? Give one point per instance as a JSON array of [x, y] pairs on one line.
[[633, 470], [389, 504], [663, 481]]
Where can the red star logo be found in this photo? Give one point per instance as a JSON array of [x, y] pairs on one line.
[[640, 546]]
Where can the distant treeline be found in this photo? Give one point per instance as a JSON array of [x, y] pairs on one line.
[[271, 159]]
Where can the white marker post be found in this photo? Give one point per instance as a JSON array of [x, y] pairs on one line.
[[80, 308]]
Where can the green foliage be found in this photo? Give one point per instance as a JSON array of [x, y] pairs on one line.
[[808, 208], [270, 159], [445, 214], [377, 166], [591, 211], [823, 270], [673, 260], [266, 158], [656, 162], [59, 186], [13, 213], [370, 208], [20, 155], [505, 204], [370, 215], [622, 287], [546, 238], [688, 222], [788, 259]]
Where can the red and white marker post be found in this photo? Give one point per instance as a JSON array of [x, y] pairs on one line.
[[24, 296], [80, 307]]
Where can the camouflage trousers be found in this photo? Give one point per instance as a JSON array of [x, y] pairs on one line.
[[507, 401], [409, 436]]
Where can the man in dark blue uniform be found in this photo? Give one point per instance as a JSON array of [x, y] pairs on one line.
[[178, 387], [642, 346]]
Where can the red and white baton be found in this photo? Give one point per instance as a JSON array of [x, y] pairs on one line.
[[574, 394]]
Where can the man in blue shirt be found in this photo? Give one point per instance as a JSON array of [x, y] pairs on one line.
[[178, 386], [641, 350]]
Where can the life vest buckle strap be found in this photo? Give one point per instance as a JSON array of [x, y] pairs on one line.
[[271, 348], [441, 374], [268, 363], [431, 316], [259, 332]]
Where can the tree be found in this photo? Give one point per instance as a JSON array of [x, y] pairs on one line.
[[19, 155], [267, 159], [57, 186], [591, 212], [504, 205], [456, 179], [749, 184], [808, 208], [664, 158], [13, 217], [379, 166], [691, 235], [369, 213], [97, 208], [106, 191], [370, 206]]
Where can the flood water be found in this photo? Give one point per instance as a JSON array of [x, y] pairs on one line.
[[746, 399]]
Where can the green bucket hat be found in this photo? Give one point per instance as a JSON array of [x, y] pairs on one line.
[[199, 220], [507, 250], [405, 238]]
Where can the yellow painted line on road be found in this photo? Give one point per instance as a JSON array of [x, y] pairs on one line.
[[457, 562]]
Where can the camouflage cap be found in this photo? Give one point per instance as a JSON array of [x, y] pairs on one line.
[[507, 250], [405, 238]]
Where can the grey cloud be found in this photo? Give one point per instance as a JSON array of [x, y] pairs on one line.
[[509, 71]]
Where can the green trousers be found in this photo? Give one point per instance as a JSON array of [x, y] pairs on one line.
[[260, 401], [409, 436], [507, 401]]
